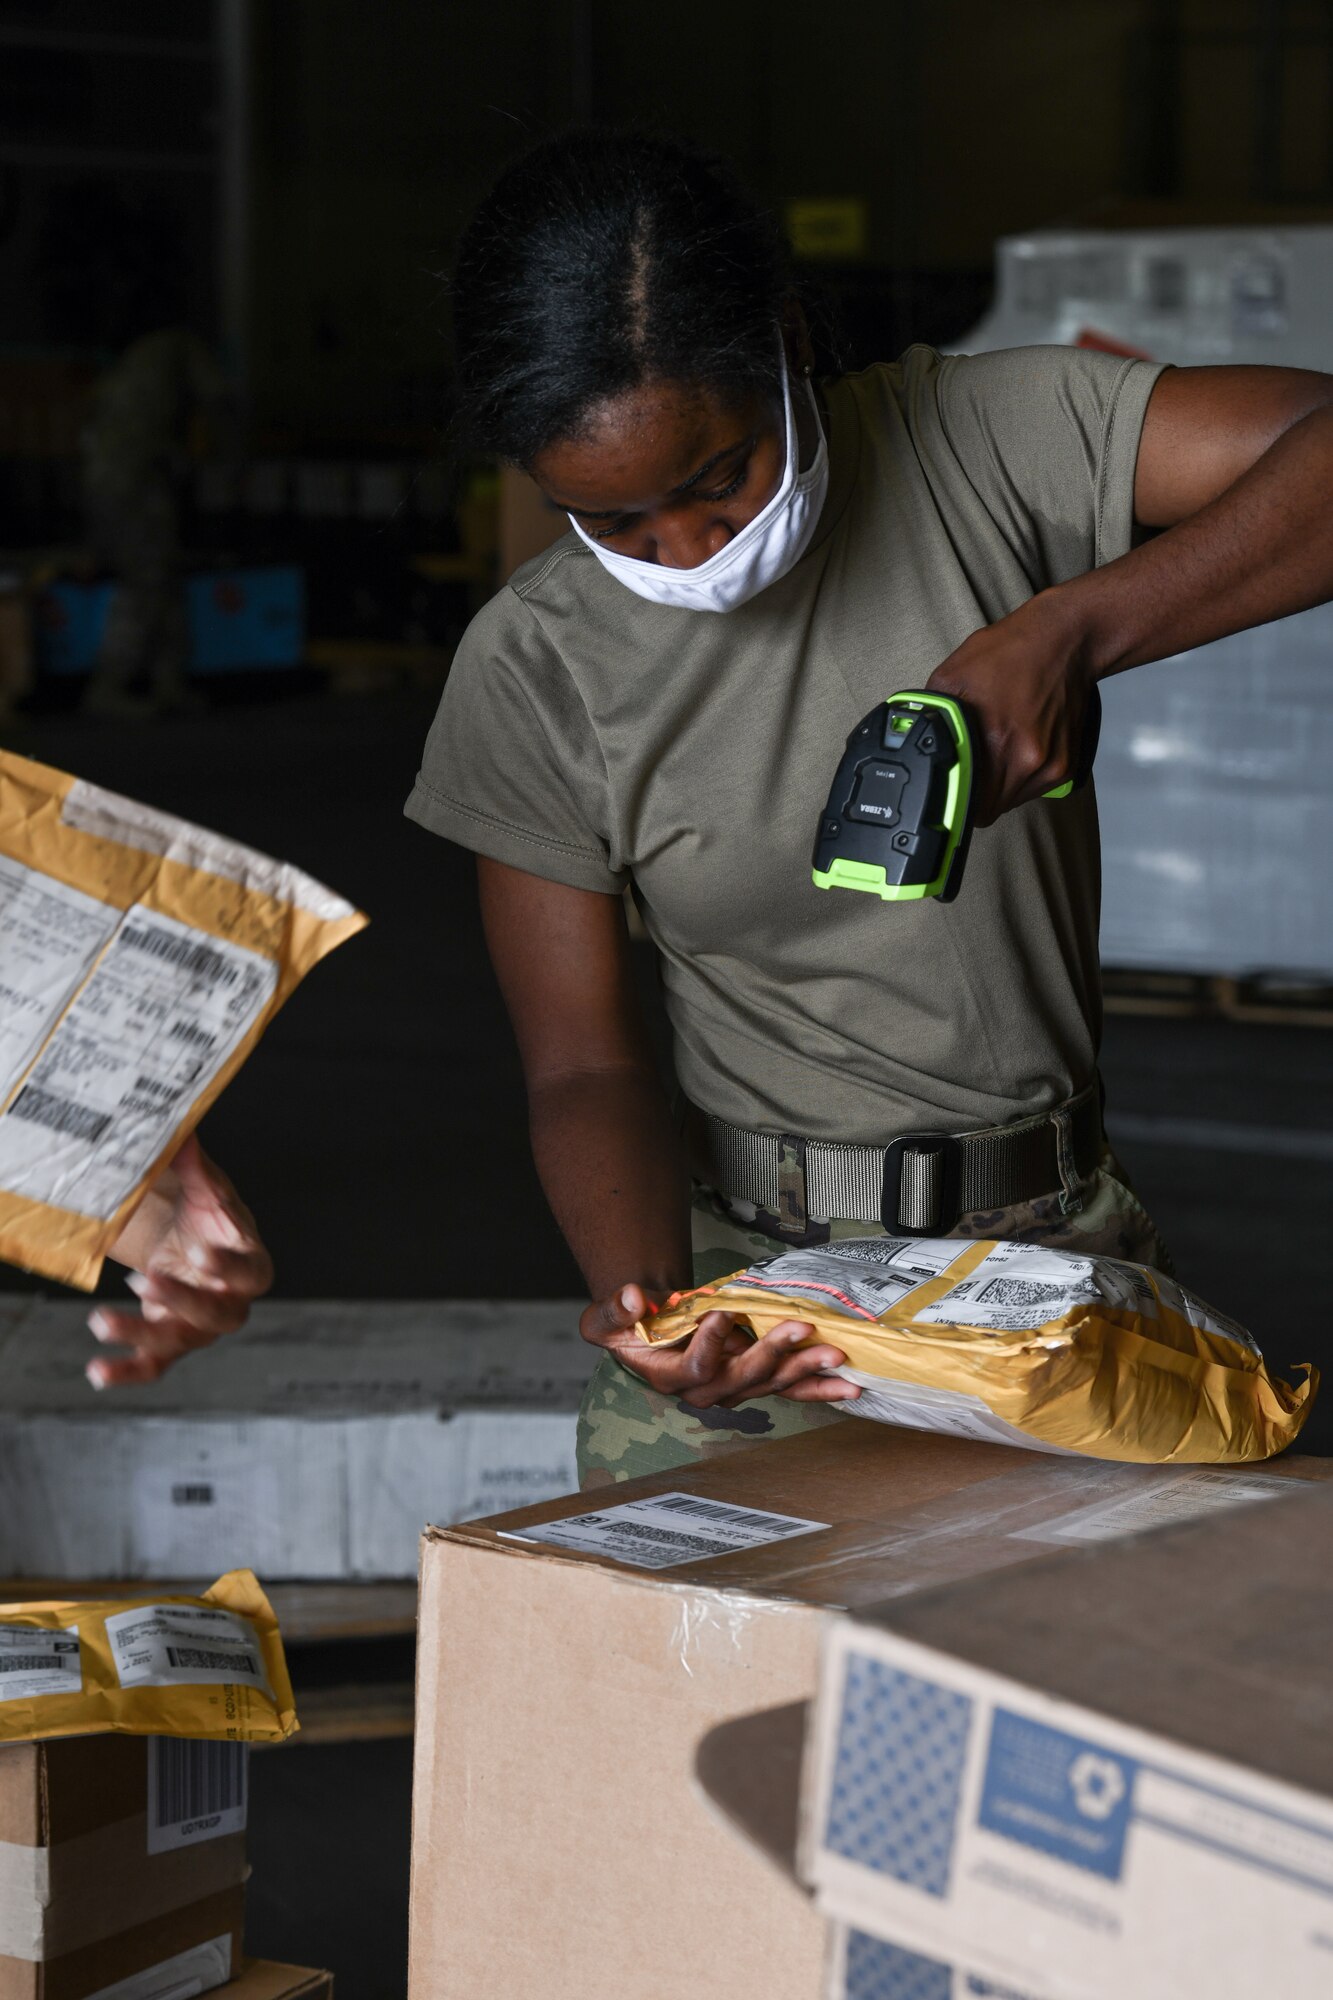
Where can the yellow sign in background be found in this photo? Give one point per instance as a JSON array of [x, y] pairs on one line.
[[833, 229]]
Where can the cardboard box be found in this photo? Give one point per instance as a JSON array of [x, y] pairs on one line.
[[561, 1850], [1110, 1773], [316, 1443], [749, 1772], [116, 1854], [264, 1979]]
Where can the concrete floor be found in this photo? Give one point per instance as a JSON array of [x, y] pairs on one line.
[[379, 1134]]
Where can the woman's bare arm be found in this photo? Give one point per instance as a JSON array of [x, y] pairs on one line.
[[606, 1149]]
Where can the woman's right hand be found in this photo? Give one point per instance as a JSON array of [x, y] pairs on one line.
[[720, 1365]]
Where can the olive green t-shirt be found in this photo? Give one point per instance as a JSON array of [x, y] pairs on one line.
[[595, 739]]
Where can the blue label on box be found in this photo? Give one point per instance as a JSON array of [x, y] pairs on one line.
[[898, 1774], [877, 1970], [1058, 1793]]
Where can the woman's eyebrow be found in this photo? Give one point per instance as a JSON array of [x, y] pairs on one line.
[[686, 485]]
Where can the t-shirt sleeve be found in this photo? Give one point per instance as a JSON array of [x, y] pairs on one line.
[[1048, 438], [512, 768]]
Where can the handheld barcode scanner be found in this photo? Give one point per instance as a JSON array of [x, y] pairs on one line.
[[899, 815]]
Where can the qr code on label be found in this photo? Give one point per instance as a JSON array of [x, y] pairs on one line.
[[1019, 1292], [867, 1249]]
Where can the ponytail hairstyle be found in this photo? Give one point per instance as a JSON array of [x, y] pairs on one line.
[[600, 261]]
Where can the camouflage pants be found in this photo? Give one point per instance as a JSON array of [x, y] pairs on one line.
[[627, 1429]]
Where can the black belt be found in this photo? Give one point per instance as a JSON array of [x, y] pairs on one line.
[[918, 1186]]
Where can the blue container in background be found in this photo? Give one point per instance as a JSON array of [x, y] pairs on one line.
[[240, 620], [70, 620], [246, 618]]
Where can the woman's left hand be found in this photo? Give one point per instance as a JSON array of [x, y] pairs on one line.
[[1026, 685], [197, 1263]]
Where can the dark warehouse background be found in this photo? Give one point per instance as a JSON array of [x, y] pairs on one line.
[[288, 178]]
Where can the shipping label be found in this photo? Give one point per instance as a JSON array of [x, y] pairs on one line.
[[162, 1013], [50, 937], [37, 1660], [863, 1276], [173, 1645], [197, 1791], [668, 1529], [1177, 1496], [1001, 1299]]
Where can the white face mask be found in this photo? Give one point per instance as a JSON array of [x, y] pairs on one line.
[[761, 552]]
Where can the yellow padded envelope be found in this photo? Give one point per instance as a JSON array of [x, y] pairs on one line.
[[1016, 1342], [209, 1667], [141, 958]]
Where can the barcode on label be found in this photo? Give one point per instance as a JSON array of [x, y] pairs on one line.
[[198, 959], [35, 1106], [1018, 1292], [196, 1780], [191, 1033], [155, 1089], [748, 1518], [668, 1528], [630, 1534], [196, 1791], [36, 1661], [210, 1662]]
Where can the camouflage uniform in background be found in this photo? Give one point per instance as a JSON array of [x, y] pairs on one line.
[[627, 1429], [135, 456]]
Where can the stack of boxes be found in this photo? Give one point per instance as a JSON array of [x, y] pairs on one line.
[[122, 1873], [573, 1655]]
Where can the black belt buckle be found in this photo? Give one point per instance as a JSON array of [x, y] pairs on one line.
[[950, 1182]]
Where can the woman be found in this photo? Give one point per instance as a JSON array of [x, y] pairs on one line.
[[660, 702]]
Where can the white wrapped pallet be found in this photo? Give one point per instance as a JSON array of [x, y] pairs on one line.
[[1212, 779], [317, 1443]]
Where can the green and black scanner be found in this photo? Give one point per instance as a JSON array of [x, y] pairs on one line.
[[899, 814]]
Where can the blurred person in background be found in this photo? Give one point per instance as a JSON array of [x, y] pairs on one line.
[[150, 408], [114, 276]]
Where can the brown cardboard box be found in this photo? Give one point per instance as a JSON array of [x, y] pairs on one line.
[[1131, 1770], [197, 1944], [263, 1979], [561, 1850], [83, 1903]]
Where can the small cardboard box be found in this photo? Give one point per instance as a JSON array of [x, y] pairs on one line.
[[116, 1854], [572, 1655], [1110, 1773], [264, 1979]]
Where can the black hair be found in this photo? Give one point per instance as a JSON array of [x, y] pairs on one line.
[[602, 260]]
